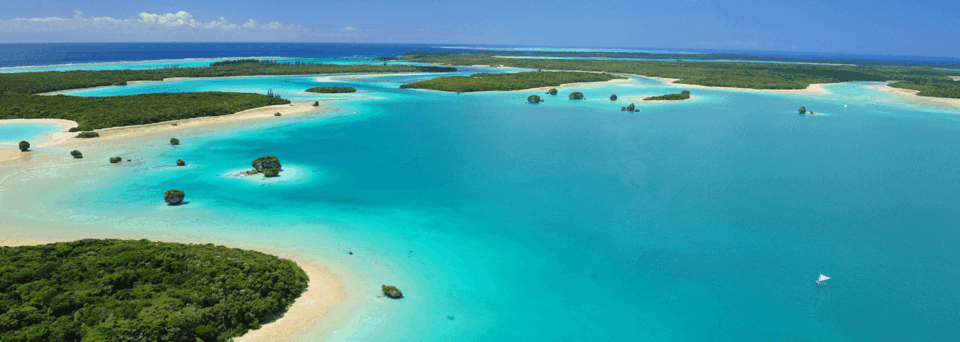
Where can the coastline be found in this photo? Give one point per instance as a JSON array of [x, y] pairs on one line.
[[813, 88], [911, 94], [324, 291]]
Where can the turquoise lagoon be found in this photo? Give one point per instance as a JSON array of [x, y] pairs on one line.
[[12, 133], [707, 219]]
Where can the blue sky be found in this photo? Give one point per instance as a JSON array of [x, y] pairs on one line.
[[927, 28]]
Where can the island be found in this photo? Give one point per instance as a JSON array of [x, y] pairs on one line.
[[331, 90], [683, 95], [576, 95], [115, 290], [19, 97], [534, 99], [929, 81], [508, 81]]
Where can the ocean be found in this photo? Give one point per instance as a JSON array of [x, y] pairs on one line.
[[708, 219]]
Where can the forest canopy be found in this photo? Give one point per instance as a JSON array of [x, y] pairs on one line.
[[126, 290], [508, 81]]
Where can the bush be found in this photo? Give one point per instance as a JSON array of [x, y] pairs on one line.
[[73, 129], [576, 95], [802, 110], [88, 135], [631, 107], [316, 103], [174, 141], [76, 154], [174, 196], [534, 99], [552, 91], [268, 162], [24, 146], [613, 97], [180, 162], [623, 109], [114, 160], [391, 291], [277, 114], [271, 172]]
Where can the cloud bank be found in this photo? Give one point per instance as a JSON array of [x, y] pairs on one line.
[[180, 26]]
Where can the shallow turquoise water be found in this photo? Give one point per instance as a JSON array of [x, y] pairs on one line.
[[13, 133], [707, 219]]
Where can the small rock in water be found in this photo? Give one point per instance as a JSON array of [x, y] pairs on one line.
[[450, 317]]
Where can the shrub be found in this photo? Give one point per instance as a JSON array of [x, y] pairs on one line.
[[73, 129], [174, 141], [613, 97], [24, 146], [802, 110], [391, 291], [87, 135], [268, 162], [180, 162], [174, 196], [623, 109], [316, 103], [552, 91], [576, 95], [114, 160], [631, 107], [76, 154], [271, 172], [534, 99], [277, 114]]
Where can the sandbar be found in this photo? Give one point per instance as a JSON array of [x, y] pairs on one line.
[[911, 95]]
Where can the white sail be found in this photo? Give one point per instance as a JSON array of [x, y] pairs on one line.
[[823, 277]]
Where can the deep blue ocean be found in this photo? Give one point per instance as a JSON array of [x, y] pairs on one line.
[[703, 220]]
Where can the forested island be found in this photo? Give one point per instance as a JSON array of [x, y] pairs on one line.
[[126, 290], [928, 80], [508, 81], [331, 90], [17, 99], [683, 95], [113, 111]]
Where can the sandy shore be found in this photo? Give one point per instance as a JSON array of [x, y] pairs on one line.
[[323, 292], [815, 88], [67, 139], [573, 85], [911, 96]]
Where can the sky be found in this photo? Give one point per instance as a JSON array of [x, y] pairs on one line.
[[903, 27]]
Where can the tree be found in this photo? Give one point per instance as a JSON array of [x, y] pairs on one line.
[[271, 172], [174, 141], [613, 97], [180, 162], [316, 103], [24, 146], [174, 196], [534, 99], [76, 154], [685, 92], [802, 110], [87, 135], [114, 160]]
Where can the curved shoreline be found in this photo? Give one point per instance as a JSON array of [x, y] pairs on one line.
[[323, 292], [912, 94]]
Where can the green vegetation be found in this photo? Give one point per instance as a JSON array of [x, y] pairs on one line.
[[613, 97], [271, 172], [802, 110], [174, 141], [268, 162], [316, 103], [88, 135], [576, 95], [391, 291], [552, 91], [180, 162], [669, 97], [331, 90], [386, 58], [928, 80], [76, 154], [24, 146], [49, 81], [509, 81], [534, 99], [631, 107], [174, 196], [16, 101], [126, 290], [277, 114], [102, 112], [114, 160]]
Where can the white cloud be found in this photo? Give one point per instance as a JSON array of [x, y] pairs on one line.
[[146, 26]]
